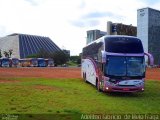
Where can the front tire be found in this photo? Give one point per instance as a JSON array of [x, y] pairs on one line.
[[98, 86]]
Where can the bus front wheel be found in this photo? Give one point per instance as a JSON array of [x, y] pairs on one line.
[[98, 85]]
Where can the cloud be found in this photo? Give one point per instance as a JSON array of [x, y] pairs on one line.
[[150, 2], [82, 4], [97, 15], [35, 2], [66, 21], [85, 23], [3, 30]]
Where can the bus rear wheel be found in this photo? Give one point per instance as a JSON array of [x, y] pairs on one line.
[[84, 77]]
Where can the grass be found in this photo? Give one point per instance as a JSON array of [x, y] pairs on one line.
[[71, 63], [65, 97]]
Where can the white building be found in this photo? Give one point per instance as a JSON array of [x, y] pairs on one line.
[[148, 30], [24, 45]]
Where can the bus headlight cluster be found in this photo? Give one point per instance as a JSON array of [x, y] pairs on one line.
[[110, 83], [112, 80], [139, 84]]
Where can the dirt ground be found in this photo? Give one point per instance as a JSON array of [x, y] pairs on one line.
[[40, 72], [151, 74]]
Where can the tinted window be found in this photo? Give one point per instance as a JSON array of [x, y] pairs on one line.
[[125, 66], [92, 50], [123, 45]]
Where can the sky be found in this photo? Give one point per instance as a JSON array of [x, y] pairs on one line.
[[65, 22]]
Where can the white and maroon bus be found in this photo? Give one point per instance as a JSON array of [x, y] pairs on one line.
[[115, 63]]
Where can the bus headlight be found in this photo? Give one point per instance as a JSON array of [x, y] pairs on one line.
[[110, 83], [112, 80], [139, 84]]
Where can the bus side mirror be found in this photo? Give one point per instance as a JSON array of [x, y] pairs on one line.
[[151, 59], [103, 56]]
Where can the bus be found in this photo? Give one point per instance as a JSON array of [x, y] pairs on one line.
[[115, 63], [29, 62], [24, 62], [49, 62], [41, 62], [5, 62], [33, 62], [15, 62], [0, 62]]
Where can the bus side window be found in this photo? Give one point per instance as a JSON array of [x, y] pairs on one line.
[[102, 67]]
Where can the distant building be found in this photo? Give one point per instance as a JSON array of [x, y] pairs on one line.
[[24, 45], [121, 29], [148, 30], [94, 34]]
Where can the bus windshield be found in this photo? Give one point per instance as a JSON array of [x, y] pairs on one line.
[[41, 61], [34, 61], [15, 61], [125, 66], [5, 61]]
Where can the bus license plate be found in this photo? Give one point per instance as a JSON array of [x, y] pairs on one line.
[[126, 89]]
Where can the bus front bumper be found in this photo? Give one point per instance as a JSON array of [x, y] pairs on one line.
[[125, 86], [124, 89]]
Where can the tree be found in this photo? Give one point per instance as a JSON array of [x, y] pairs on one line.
[[0, 53], [10, 52], [41, 54], [6, 54], [60, 57], [33, 56], [76, 59]]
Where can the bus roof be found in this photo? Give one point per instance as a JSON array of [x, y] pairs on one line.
[[123, 44], [120, 44], [119, 36], [110, 36]]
